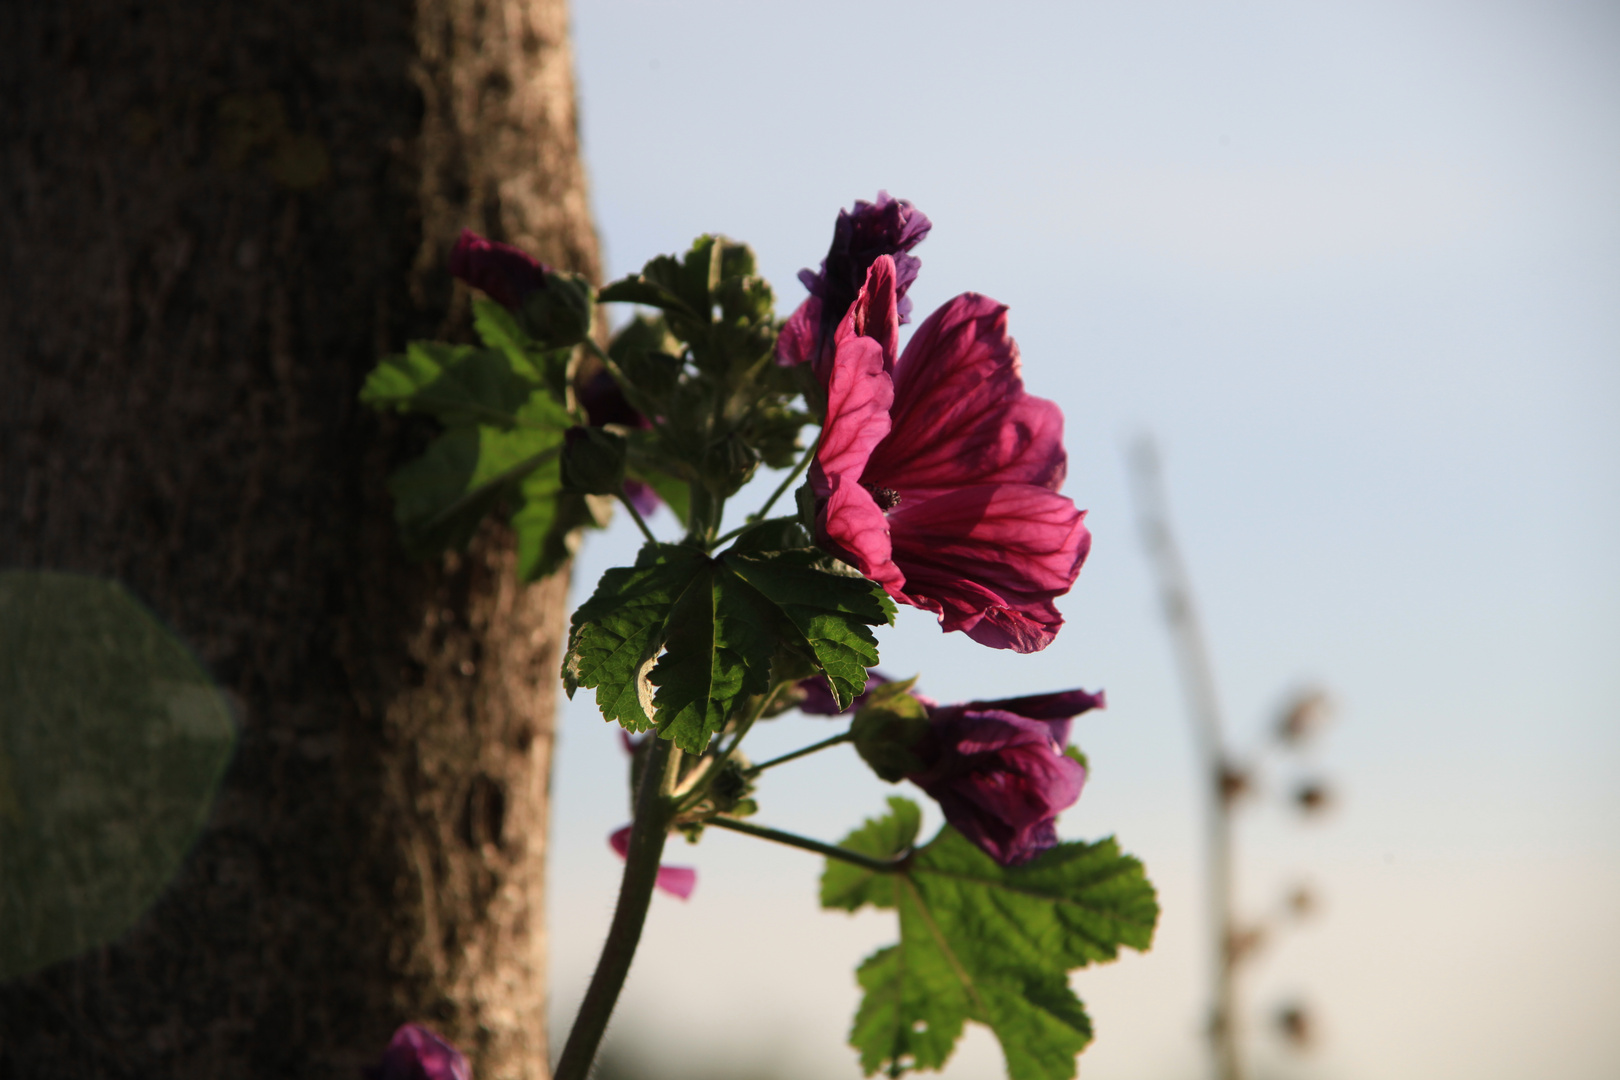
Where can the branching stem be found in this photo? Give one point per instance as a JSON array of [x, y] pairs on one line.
[[831, 851], [801, 752]]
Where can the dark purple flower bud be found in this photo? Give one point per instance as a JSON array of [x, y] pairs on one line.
[[998, 771], [887, 227], [604, 403], [501, 270], [819, 701], [415, 1053]]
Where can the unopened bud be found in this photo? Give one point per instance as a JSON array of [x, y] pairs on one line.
[[559, 314], [887, 728], [1313, 797]]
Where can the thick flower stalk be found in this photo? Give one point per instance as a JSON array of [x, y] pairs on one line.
[[937, 474], [999, 772], [889, 227]]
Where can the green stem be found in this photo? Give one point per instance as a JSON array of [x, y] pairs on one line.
[[798, 470], [698, 786], [785, 758], [831, 851], [636, 514], [653, 811]]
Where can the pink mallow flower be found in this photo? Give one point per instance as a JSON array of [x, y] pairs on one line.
[[937, 475], [678, 881], [889, 227], [998, 771], [415, 1053]]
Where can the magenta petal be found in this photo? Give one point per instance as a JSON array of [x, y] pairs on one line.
[[678, 881], [415, 1053], [999, 778], [798, 340], [961, 415], [1056, 710], [989, 560]]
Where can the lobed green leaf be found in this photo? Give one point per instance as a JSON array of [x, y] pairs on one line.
[[986, 943], [617, 633]]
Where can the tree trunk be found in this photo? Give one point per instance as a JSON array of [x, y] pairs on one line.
[[214, 216]]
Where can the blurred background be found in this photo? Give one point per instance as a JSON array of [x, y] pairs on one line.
[[1356, 267]]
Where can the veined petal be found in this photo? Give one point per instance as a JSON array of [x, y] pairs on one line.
[[961, 415], [990, 559]]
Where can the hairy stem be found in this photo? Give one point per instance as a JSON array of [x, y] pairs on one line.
[[831, 851], [653, 812]]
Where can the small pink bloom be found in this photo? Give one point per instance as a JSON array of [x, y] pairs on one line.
[[937, 474], [678, 881], [415, 1053], [998, 771]]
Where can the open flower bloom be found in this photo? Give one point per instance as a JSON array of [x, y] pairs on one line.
[[998, 771], [889, 227], [415, 1053], [678, 881], [937, 474]]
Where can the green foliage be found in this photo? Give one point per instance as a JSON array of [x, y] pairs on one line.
[[593, 461], [985, 943], [705, 363], [112, 744], [890, 722], [721, 623], [617, 633], [504, 408]]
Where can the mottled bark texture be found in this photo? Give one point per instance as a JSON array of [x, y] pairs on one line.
[[214, 215]]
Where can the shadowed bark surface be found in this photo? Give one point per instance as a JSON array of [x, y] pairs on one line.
[[214, 215]]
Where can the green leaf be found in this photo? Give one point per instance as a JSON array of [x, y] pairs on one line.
[[721, 637], [112, 743], [442, 496], [844, 885], [829, 607], [457, 384], [617, 633], [913, 1010], [501, 332], [986, 943]]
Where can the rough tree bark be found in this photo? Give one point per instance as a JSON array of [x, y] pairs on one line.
[[214, 215]]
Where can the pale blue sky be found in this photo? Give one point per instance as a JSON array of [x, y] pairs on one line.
[[1357, 266]]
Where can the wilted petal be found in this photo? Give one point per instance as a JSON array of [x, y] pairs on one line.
[[1056, 710], [990, 559], [1000, 778], [506, 273], [678, 881], [415, 1053]]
